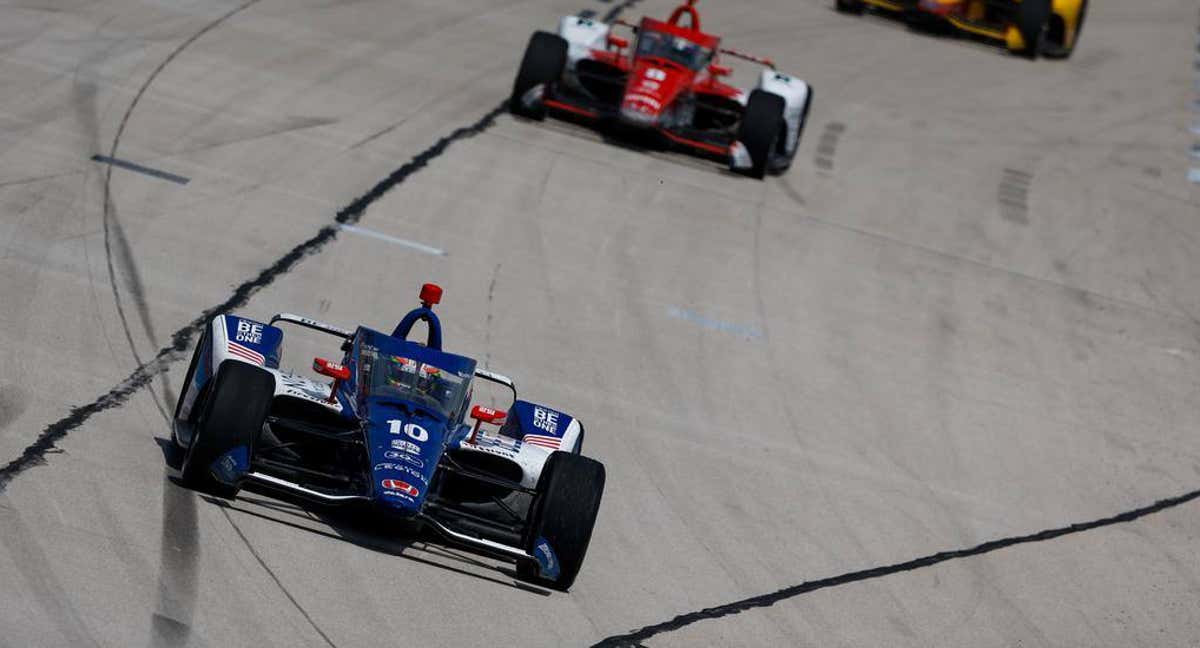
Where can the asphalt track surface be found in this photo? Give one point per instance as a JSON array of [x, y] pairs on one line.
[[936, 386]]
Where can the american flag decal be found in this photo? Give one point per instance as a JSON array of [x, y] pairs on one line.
[[245, 353], [551, 442]]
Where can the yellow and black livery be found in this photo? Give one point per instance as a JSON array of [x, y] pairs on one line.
[[1029, 28]]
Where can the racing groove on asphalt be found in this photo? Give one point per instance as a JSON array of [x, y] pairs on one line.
[[181, 340]]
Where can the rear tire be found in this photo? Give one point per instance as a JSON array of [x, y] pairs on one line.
[[761, 126], [850, 6], [564, 513], [1064, 50], [545, 59], [1033, 20], [231, 415]]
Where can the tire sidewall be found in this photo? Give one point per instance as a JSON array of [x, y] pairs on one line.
[[760, 129], [245, 406], [543, 63], [564, 470]]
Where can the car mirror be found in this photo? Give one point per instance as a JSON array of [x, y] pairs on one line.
[[719, 70], [487, 414], [332, 369], [617, 42], [483, 415]]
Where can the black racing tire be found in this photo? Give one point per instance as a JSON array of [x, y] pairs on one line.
[[1033, 19], [231, 415], [761, 126], [544, 61], [1065, 50], [563, 512], [851, 6]]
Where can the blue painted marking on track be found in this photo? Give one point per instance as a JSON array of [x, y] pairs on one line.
[[133, 166], [749, 332]]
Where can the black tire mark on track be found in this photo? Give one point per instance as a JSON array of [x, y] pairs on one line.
[[278, 583], [1013, 196], [27, 552], [179, 549], [12, 404], [181, 340], [827, 146], [767, 600], [112, 224], [487, 325]]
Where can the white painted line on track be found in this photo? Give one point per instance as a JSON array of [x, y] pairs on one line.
[[420, 247]]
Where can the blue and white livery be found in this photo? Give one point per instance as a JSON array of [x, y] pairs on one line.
[[394, 428]]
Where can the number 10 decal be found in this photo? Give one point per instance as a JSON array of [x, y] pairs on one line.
[[414, 431]]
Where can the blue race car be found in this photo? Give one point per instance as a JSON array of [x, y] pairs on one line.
[[390, 430]]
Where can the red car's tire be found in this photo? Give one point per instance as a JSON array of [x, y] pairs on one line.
[[545, 58], [762, 125]]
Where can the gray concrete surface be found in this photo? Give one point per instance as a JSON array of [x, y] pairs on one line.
[[969, 312]]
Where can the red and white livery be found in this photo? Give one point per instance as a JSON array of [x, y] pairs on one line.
[[669, 84]]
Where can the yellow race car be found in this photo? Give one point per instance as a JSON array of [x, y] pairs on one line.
[[1027, 27]]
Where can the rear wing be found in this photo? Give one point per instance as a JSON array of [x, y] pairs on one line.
[[313, 324]]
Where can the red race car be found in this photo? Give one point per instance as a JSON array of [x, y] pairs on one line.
[[668, 84]]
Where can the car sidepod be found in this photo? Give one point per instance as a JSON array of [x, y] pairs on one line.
[[544, 427]]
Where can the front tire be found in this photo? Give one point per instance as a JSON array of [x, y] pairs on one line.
[[762, 124], [231, 415], [544, 61], [563, 514]]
